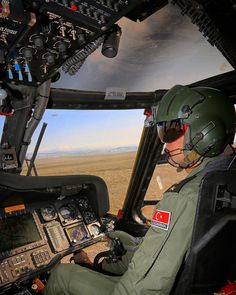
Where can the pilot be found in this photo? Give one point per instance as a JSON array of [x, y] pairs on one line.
[[198, 126]]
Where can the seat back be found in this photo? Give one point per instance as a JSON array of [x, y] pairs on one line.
[[212, 257]]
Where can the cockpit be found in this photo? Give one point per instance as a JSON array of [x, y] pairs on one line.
[[45, 219]]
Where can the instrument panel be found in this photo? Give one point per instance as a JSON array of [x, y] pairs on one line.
[[36, 237]]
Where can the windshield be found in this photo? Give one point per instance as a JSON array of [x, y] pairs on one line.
[[164, 50], [101, 143]]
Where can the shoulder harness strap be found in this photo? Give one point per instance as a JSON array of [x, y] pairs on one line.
[[175, 188], [226, 163]]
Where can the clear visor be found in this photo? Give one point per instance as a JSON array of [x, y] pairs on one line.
[[171, 130]]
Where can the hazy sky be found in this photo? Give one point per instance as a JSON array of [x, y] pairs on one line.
[[164, 50]]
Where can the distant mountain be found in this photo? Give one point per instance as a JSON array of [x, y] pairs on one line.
[[85, 152]]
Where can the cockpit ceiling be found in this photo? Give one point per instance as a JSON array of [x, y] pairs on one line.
[[163, 46]]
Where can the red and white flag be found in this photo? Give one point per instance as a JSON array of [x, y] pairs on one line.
[[161, 219]]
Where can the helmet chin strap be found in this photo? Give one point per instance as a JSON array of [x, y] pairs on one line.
[[191, 158]]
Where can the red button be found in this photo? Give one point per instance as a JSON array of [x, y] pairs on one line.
[[74, 7]]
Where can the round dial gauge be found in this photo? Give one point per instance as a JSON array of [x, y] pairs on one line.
[[48, 213], [94, 229], [76, 235], [68, 212]]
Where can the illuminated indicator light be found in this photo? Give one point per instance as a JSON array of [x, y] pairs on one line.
[[14, 208], [29, 77], [27, 68], [20, 75], [10, 75], [17, 66], [74, 7]]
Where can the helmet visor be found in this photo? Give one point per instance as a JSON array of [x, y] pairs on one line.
[[171, 130]]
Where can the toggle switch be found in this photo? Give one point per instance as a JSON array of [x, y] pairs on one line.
[[63, 31], [45, 69], [73, 34]]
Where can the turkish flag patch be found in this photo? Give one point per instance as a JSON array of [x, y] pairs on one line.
[[161, 219]]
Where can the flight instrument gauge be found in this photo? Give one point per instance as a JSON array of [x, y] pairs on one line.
[[94, 230], [68, 212], [77, 234], [49, 213]]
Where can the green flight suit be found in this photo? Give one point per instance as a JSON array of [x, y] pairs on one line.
[[154, 265]]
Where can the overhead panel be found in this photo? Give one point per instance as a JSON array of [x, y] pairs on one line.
[[38, 37]]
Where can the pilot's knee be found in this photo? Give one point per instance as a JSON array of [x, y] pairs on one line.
[[123, 236], [126, 239], [63, 271], [59, 279]]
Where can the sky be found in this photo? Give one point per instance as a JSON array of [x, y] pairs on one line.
[[164, 50]]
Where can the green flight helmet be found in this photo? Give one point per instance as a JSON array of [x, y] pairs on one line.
[[204, 115]]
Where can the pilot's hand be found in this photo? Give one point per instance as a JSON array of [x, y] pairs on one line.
[[82, 258]]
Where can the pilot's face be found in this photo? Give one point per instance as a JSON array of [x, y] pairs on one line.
[[175, 150]]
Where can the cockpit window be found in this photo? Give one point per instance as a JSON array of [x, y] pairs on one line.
[[164, 50], [164, 177], [102, 143], [1, 123]]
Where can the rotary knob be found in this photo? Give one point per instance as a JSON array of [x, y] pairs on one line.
[[38, 42], [50, 59]]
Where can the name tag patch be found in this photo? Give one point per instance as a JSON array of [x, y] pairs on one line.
[[161, 219]]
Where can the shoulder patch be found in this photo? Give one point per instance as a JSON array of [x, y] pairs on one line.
[[161, 219], [175, 188]]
